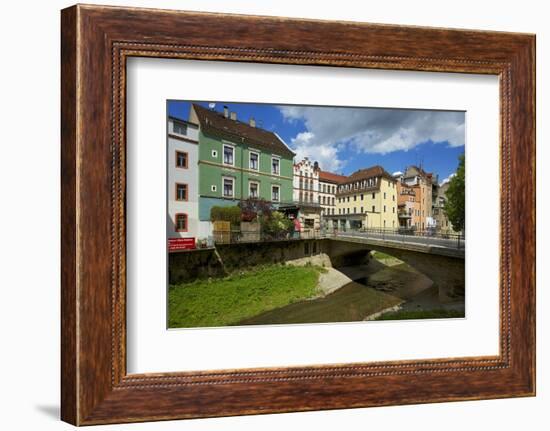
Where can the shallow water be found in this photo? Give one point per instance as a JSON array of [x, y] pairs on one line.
[[380, 287]]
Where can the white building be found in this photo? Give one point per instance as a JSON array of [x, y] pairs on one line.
[[183, 179], [328, 183], [306, 193], [306, 181]]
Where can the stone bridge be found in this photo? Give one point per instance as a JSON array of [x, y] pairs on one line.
[[443, 264]]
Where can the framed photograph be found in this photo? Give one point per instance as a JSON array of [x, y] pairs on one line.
[[266, 215]]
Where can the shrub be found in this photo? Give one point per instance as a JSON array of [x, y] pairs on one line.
[[231, 214], [276, 224]]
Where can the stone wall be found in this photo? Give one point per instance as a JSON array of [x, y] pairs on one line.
[[187, 266]]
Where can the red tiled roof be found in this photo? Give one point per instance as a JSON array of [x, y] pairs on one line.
[[215, 123], [331, 178]]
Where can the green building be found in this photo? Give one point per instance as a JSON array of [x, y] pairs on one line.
[[238, 160]]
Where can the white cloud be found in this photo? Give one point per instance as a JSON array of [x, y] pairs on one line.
[[304, 145], [446, 180], [370, 130]]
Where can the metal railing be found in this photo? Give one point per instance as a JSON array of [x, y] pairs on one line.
[[253, 236], [427, 236]]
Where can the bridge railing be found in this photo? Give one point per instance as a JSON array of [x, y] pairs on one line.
[[449, 239], [239, 236]]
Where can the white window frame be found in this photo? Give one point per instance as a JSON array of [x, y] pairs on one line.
[[249, 189], [250, 160], [213, 188], [232, 187], [214, 154], [278, 192], [279, 161], [228, 145]]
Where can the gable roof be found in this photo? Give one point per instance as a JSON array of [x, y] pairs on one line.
[[329, 177], [373, 171], [214, 123]]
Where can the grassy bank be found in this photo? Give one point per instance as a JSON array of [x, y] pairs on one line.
[[421, 314], [221, 302]]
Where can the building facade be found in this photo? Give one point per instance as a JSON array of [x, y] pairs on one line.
[[328, 184], [236, 161], [408, 208], [182, 190], [366, 199], [306, 194], [417, 180], [443, 224]]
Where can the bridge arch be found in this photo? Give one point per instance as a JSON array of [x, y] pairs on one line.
[[445, 267]]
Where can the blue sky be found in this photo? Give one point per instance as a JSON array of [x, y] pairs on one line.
[[344, 140]]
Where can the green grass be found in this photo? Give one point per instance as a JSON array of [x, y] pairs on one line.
[[225, 301], [421, 314], [378, 255]]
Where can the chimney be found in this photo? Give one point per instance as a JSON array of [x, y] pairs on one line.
[[252, 122], [225, 111], [234, 116]]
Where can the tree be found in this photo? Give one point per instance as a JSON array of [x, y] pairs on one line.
[[252, 207], [455, 205]]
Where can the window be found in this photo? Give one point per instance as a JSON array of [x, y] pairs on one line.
[[180, 128], [384, 208], [361, 209], [332, 201], [275, 165], [181, 192], [228, 152], [393, 208], [181, 159], [373, 209], [362, 196], [254, 161], [339, 210], [213, 188], [253, 189], [384, 195], [354, 210], [214, 154], [181, 222], [348, 210], [354, 198], [275, 193], [228, 187], [373, 195], [393, 198]]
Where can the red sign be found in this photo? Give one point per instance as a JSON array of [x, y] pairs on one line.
[[175, 244]]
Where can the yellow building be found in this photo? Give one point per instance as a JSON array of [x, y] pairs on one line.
[[367, 199]]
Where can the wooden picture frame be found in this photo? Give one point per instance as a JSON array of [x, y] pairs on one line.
[[95, 43]]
